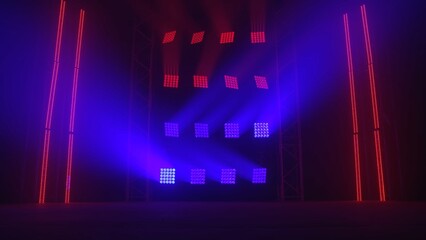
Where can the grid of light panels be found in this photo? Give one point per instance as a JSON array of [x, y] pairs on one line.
[[261, 130], [167, 175], [197, 37], [259, 176], [200, 81], [201, 130], [171, 129], [227, 175], [226, 37], [257, 37], [171, 81], [198, 176], [261, 82], [232, 130], [169, 37], [231, 82]]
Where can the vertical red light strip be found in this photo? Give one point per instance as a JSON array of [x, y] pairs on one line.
[[382, 193], [46, 143], [73, 103], [354, 110]]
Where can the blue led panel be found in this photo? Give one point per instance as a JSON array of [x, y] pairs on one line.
[[201, 130], [261, 130], [167, 175], [171, 129], [227, 176], [259, 175], [232, 130], [198, 176]]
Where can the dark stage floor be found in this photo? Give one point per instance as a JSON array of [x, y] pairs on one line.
[[215, 220]]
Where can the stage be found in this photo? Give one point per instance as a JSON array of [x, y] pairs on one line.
[[215, 220]]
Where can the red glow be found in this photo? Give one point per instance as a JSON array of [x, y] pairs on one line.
[[200, 81], [227, 37], [382, 193], [261, 82], [257, 37], [169, 37], [171, 81], [73, 103], [46, 143], [231, 82], [354, 110], [197, 37]]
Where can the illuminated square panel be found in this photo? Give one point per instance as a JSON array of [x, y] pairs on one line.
[[201, 130], [200, 81], [232, 130], [231, 82], [197, 37], [261, 130], [171, 81], [226, 37], [259, 175], [257, 37], [167, 175], [169, 37], [227, 176], [198, 176], [261, 82], [171, 129]]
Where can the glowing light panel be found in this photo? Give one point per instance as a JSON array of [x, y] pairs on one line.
[[226, 37], [257, 37], [232, 130], [200, 81], [171, 81], [261, 82], [261, 130], [201, 130], [227, 176], [231, 82], [169, 37], [171, 129], [198, 176], [197, 37], [259, 175], [167, 175]]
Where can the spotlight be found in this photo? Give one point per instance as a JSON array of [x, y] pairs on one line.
[[167, 175], [226, 37], [232, 130], [200, 81], [171, 81], [198, 176], [261, 130], [201, 130], [259, 175], [257, 37], [261, 82], [169, 37], [171, 129], [231, 82], [228, 176], [197, 37]]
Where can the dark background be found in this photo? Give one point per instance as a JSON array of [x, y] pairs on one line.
[[28, 31]]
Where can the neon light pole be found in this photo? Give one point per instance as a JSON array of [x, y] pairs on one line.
[[354, 110], [377, 143], [73, 103], [47, 129]]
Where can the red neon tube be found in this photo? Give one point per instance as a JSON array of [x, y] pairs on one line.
[[73, 103], [46, 143], [354, 110], [377, 143]]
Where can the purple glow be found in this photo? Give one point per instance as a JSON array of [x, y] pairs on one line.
[[232, 130], [171, 81], [231, 82], [257, 37], [198, 176], [259, 175], [167, 175], [171, 129], [227, 176], [261, 130], [201, 130], [261, 82]]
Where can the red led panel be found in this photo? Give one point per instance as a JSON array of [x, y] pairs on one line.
[[227, 37], [171, 81], [261, 82], [231, 82], [197, 37], [200, 81], [169, 37], [257, 37]]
